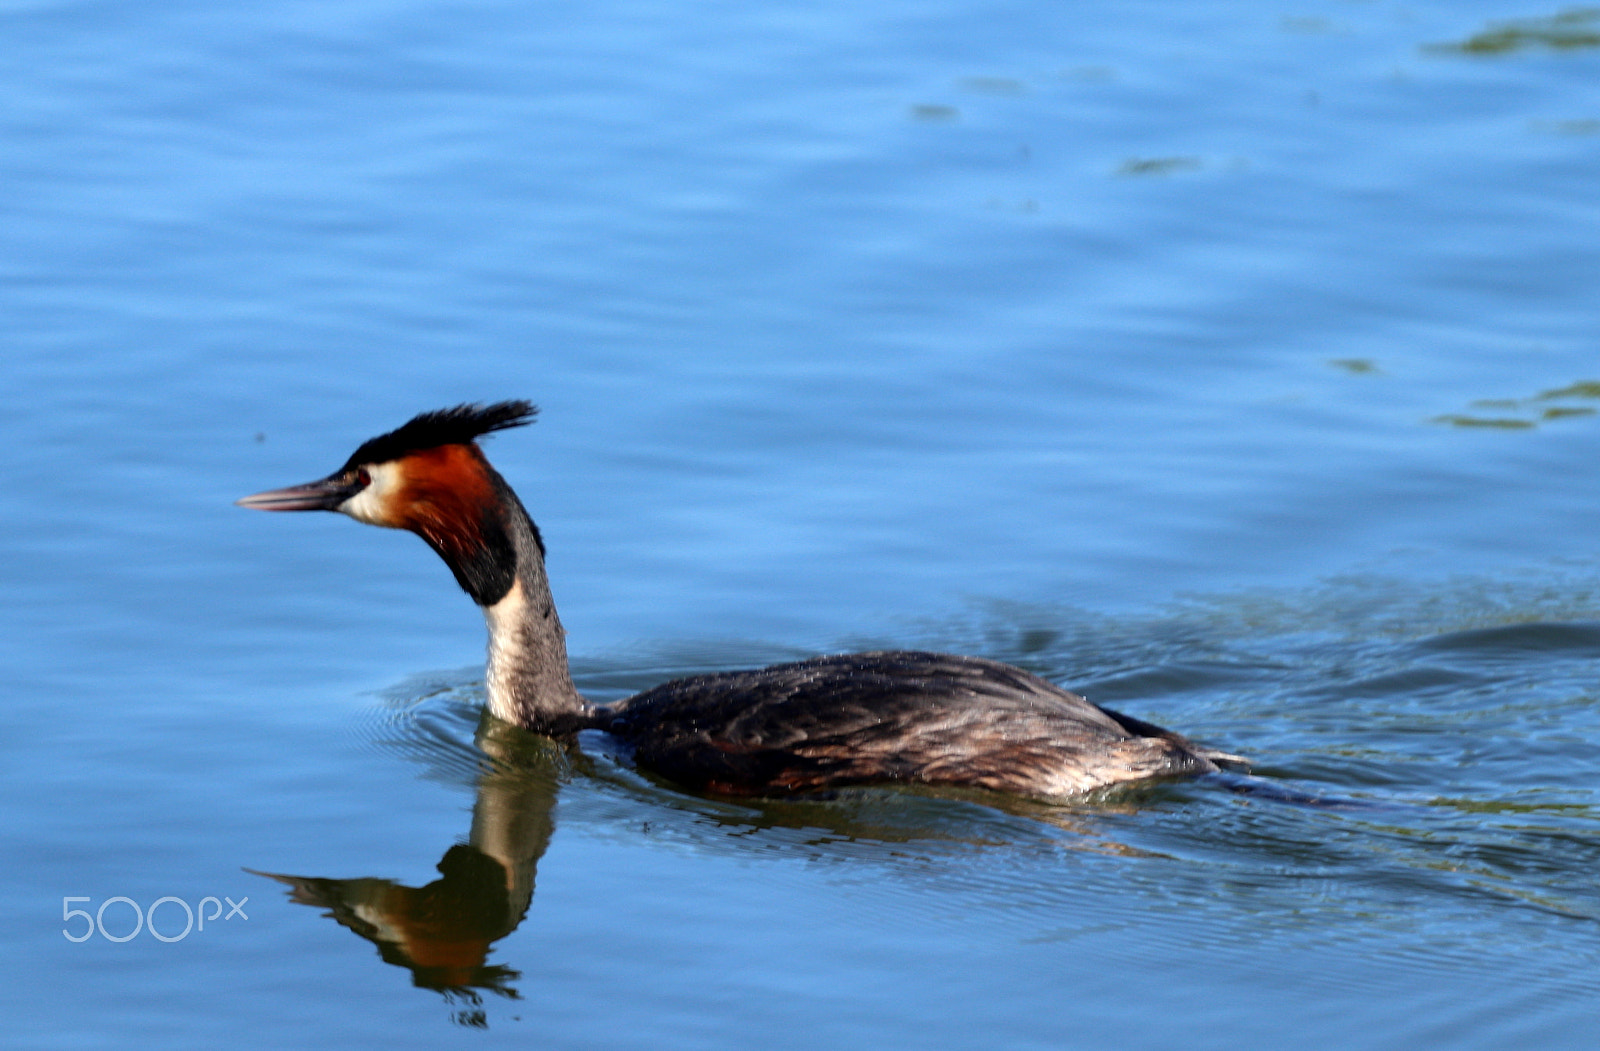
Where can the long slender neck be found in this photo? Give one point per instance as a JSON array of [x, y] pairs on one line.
[[452, 498], [529, 682]]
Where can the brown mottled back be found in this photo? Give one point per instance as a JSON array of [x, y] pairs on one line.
[[891, 716]]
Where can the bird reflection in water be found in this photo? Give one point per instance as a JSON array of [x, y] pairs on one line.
[[443, 932]]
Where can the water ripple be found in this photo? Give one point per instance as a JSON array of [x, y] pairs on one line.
[[1430, 791]]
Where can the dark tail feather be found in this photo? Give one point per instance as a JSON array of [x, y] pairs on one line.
[[1278, 792]]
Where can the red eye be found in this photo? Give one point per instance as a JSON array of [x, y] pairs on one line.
[[363, 479]]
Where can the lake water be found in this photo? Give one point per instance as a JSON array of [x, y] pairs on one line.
[[1233, 364]]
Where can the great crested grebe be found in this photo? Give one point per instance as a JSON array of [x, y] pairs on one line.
[[846, 719]]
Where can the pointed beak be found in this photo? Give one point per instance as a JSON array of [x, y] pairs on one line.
[[325, 495]]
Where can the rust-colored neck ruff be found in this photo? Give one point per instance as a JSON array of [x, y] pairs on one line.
[[454, 500]]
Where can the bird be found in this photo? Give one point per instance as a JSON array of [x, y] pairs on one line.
[[800, 728]]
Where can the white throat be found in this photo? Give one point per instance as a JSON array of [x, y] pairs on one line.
[[507, 652]]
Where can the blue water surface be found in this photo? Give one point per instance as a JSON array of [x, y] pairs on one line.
[[1232, 364]]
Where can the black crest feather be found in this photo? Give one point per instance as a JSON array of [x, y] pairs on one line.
[[461, 425]]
